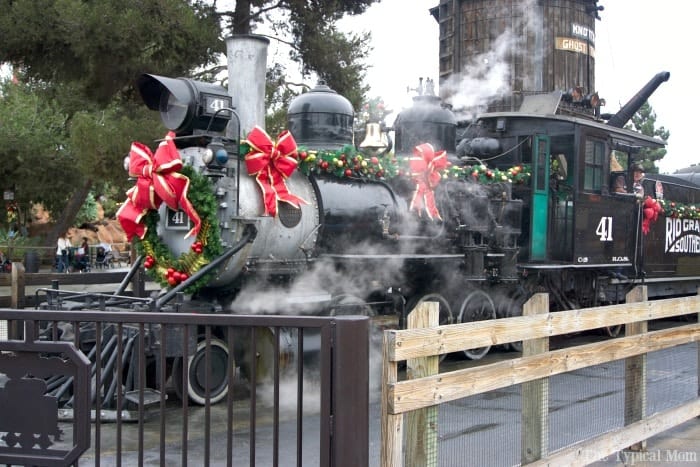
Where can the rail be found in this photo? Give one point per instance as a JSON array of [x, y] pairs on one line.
[[409, 406], [21, 286]]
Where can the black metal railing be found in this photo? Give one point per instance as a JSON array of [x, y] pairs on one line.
[[143, 388]]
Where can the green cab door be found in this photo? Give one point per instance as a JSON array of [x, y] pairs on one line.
[[540, 198]]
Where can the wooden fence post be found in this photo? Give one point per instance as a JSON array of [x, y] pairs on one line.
[[534, 429], [15, 329], [636, 370], [17, 286], [392, 425], [421, 425]]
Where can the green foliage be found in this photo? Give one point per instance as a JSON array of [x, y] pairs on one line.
[[13, 246], [36, 162], [103, 45], [73, 117], [317, 45], [644, 121], [110, 206], [101, 139], [88, 211], [335, 57], [278, 95]]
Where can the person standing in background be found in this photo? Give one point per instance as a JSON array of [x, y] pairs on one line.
[[82, 258], [62, 246]]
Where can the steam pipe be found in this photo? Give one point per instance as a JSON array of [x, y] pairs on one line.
[[624, 115], [248, 236]]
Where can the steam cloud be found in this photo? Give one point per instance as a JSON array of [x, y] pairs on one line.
[[488, 76]]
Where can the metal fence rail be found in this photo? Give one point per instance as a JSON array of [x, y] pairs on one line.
[[98, 386]]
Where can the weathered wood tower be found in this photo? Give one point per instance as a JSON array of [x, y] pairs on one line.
[[537, 45]]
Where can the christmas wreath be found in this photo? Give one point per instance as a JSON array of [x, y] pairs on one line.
[[162, 178], [161, 265]]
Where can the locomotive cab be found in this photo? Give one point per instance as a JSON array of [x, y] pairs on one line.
[[575, 217]]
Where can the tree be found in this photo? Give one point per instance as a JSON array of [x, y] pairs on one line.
[[644, 121], [82, 59], [315, 43], [36, 164], [279, 93], [102, 46]]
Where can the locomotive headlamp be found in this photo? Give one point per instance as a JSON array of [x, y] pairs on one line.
[[185, 105]]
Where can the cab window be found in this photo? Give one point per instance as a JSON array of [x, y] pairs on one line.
[[593, 166]]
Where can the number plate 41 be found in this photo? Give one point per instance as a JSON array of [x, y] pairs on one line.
[[604, 229]]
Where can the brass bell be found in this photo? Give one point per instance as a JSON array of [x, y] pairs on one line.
[[375, 141]]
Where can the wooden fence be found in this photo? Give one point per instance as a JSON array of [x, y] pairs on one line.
[[424, 389]]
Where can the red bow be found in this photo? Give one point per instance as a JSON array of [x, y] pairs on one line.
[[271, 163], [651, 210], [425, 166], [158, 180]]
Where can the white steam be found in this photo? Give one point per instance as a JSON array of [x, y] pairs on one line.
[[485, 78], [489, 76]]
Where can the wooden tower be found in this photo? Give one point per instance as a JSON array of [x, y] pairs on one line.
[[532, 46]]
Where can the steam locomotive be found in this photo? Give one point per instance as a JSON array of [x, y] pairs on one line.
[[475, 216]]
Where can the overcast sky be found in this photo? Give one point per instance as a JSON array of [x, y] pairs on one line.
[[635, 39]]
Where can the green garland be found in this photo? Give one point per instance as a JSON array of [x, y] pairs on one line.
[[679, 210], [160, 263], [347, 162]]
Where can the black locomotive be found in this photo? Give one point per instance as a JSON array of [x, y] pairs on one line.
[[477, 217]]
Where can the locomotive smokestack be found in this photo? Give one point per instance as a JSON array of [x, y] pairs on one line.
[[247, 64], [624, 115]]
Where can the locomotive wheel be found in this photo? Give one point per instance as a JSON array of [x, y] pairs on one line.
[[510, 307], [478, 306], [444, 313], [265, 354], [197, 373]]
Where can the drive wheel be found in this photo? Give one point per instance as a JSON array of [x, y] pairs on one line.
[[265, 353], [197, 373], [478, 306], [510, 307]]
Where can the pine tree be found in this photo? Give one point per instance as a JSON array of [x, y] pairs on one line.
[[315, 42], [644, 121]]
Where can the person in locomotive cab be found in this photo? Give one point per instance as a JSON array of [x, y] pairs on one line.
[[637, 179], [620, 184]]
